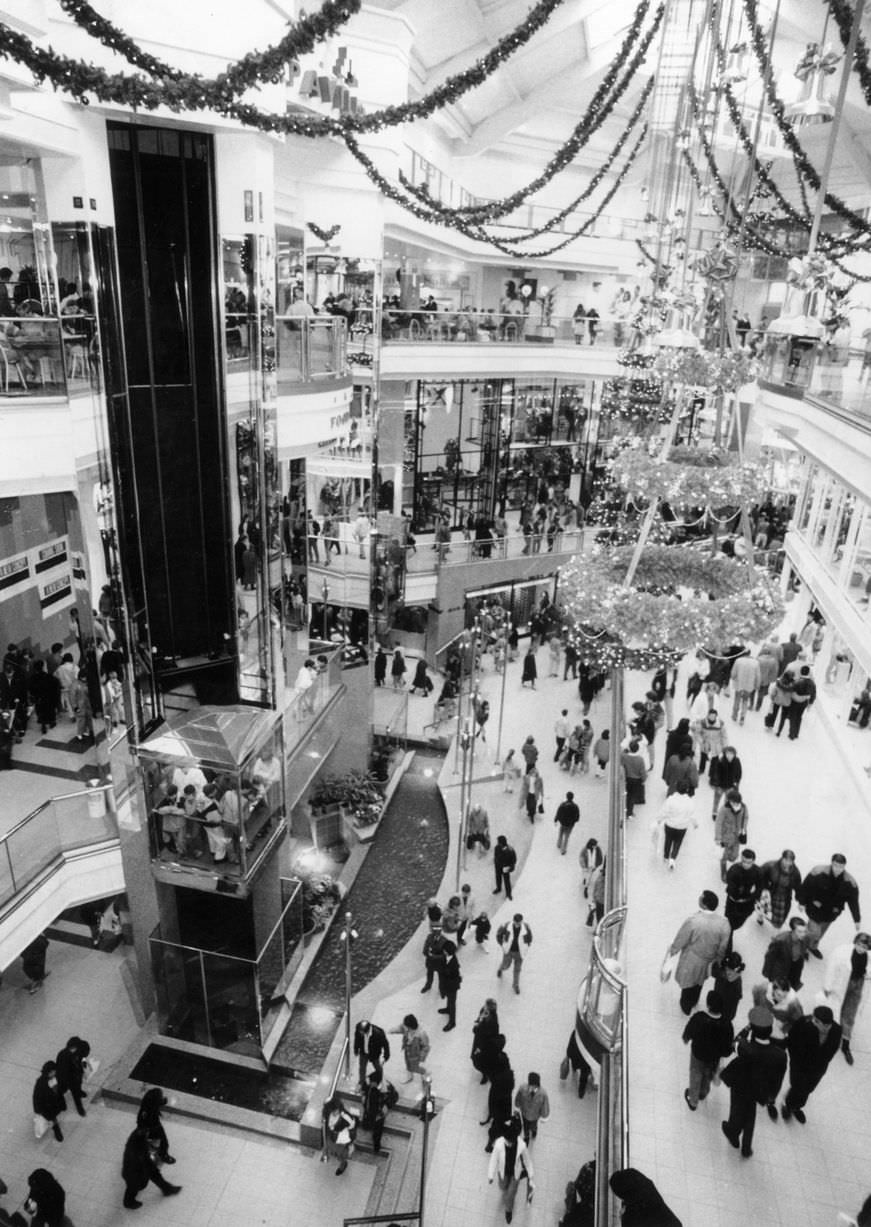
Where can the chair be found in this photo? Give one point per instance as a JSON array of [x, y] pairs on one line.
[[77, 363], [11, 360]]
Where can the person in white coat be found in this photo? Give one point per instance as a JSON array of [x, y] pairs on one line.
[[511, 1162], [676, 817], [846, 972]]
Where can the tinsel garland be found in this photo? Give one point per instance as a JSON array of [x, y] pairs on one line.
[[722, 370], [607, 95], [447, 217], [268, 65], [184, 91], [803, 163], [843, 15], [326, 235], [683, 479], [731, 601]]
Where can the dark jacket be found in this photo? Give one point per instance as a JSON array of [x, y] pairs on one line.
[[47, 1101], [743, 883], [501, 1090], [780, 956], [504, 856], [757, 1071], [772, 873], [567, 814], [71, 1066], [643, 1205], [725, 773], [138, 1166], [450, 978], [375, 1043], [808, 1058], [48, 1197], [824, 895], [709, 1038], [677, 769]]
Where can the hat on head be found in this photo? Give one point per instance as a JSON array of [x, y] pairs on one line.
[[824, 1015]]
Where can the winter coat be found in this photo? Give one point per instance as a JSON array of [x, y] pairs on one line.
[[700, 940]]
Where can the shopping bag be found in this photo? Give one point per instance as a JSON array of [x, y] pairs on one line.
[[40, 1126]]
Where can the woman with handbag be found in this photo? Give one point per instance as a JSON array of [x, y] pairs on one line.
[[339, 1127], [532, 793], [48, 1102], [415, 1045]]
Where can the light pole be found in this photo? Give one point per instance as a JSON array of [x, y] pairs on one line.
[[325, 593], [348, 935], [465, 741], [427, 1111]]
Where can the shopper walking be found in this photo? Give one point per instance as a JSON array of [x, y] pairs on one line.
[[724, 773], [643, 1204], [504, 861], [634, 774], [730, 829], [398, 670], [379, 1097], [700, 940], [846, 974], [743, 884], [48, 1102], [415, 1046], [433, 956], [478, 829], [511, 1163], [811, 1043], [590, 858], [150, 1119], [139, 1167], [567, 817], [450, 980], [824, 894], [533, 1105], [786, 953], [710, 1037], [532, 793], [745, 683], [514, 941], [680, 767], [499, 1098], [487, 1042], [33, 963], [530, 669], [561, 729], [804, 694], [780, 880], [529, 752], [338, 1130], [46, 1200], [371, 1047], [70, 1063], [676, 817], [753, 1077]]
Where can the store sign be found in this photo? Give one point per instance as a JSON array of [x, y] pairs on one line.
[[15, 576], [47, 557], [55, 594]]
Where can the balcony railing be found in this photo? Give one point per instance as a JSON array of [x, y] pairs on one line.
[[496, 327], [61, 826], [42, 356], [309, 348], [221, 1000]]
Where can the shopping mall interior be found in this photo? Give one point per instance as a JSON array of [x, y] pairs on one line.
[[384, 389]]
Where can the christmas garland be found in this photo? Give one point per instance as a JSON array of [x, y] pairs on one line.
[[843, 15], [803, 163], [730, 601], [721, 370], [687, 478], [184, 91], [326, 236], [268, 65], [598, 110]]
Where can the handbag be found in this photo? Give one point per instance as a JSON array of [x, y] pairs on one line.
[[40, 1126], [564, 1068], [541, 809]]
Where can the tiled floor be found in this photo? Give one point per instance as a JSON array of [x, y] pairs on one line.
[[798, 796]]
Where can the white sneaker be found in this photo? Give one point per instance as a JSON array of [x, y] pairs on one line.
[[671, 863]]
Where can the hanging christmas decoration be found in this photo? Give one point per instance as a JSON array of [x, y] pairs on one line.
[[680, 597], [325, 236], [687, 477], [188, 92]]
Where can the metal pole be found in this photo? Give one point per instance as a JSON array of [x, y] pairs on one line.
[[348, 939], [463, 738], [471, 776], [426, 1109], [603, 1143], [502, 700], [613, 865]]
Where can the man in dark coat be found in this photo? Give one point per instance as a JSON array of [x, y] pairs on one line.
[[46, 1199], [824, 894], [567, 816], [743, 886], [71, 1070], [504, 861], [643, 1205], [754, 1077], [450, 980], [433, 956], [370, 1045], [48, 1101], [811, 1044], [138, 1167]]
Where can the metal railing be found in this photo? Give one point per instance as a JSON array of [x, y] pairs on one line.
[[428, 555], [309, 347], [63, 825], [493, 326], [43, 355]]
